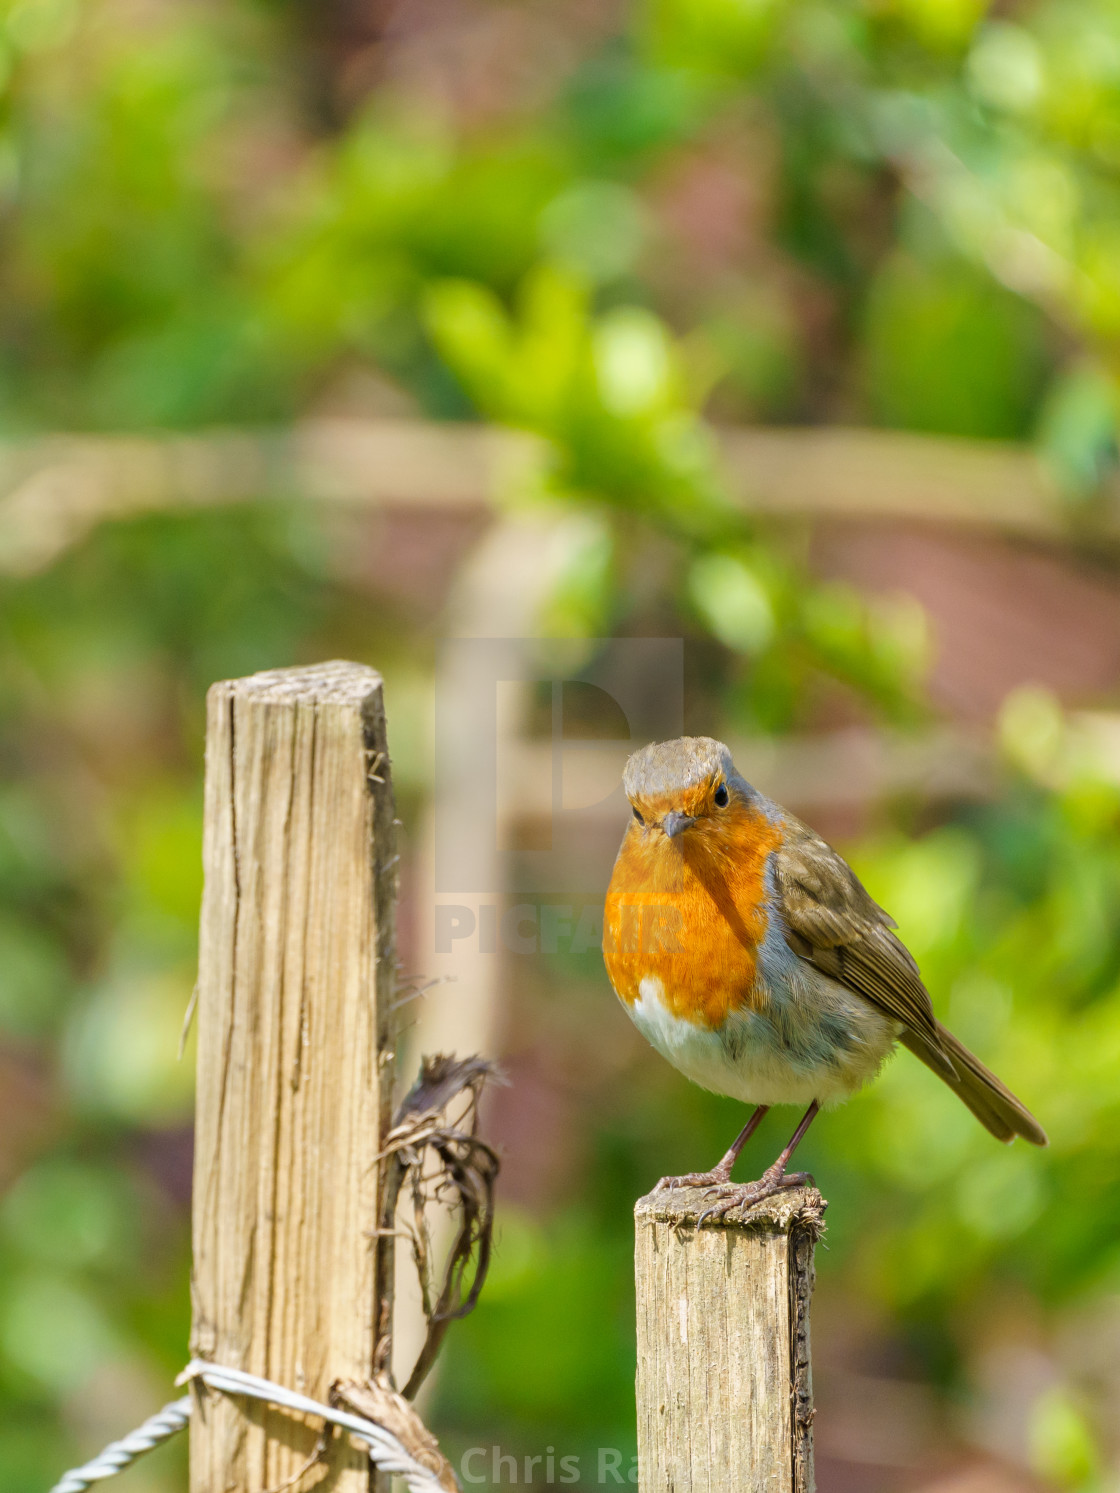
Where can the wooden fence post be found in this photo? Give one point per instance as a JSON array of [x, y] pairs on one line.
[[725, 1392], [296, 980]]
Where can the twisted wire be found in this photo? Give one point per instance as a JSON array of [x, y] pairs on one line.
[[118, 1455], [384, 1449]]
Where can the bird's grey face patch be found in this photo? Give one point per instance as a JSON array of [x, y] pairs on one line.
[[666, 768]]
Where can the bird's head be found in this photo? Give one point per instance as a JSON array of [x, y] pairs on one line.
[[676, 786]]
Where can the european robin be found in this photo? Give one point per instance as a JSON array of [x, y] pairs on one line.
[[749, 954]]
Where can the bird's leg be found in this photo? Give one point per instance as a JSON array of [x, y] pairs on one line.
[[721, 1172], [773, 1179]]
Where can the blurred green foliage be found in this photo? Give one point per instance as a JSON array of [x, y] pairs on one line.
[[903, 212]]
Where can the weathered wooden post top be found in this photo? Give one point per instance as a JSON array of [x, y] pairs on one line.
[[725, 1392]]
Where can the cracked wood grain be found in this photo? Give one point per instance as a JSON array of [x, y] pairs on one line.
[[724, 1384], [296, 976]]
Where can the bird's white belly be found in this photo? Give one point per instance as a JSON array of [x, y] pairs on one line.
[[828, 1042]]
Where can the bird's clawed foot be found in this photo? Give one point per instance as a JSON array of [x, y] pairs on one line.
[[717, 1177], [746, 1194]]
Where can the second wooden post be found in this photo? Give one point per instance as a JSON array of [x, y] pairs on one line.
[[296, 975], [725, 1392]]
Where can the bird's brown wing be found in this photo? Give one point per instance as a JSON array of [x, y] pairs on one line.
[[834, 924]]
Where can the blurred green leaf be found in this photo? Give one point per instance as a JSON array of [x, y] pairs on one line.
[[1077, 430], [733, 601], [34, 979], [120, 1051], [948, 351], [1063, 1447], [54, 1331], [68, 1213]]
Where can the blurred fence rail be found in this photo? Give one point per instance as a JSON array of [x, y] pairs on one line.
[[54, 489], [845, 768]]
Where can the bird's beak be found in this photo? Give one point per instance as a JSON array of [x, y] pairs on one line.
[[673, 823]]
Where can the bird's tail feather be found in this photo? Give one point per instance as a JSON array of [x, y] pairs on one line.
[[992, 1102]]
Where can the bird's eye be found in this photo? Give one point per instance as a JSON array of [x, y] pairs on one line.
[[721, 796], [638, 817]]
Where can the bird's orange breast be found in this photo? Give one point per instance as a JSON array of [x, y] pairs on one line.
[[691, 912]]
